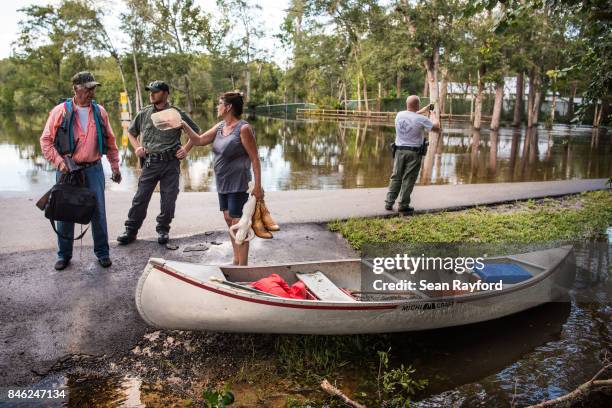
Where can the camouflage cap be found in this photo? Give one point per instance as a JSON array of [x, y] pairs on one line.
[[86, 79], [157, 86]]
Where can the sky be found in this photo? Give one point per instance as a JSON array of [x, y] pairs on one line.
[[272, 15]]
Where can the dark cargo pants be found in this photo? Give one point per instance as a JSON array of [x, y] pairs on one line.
[[406, 167], [167, 174]]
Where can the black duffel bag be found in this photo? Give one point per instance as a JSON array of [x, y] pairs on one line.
[[71, 201]]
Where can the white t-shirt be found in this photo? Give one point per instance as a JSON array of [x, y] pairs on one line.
[[409, 128], [83, 112]]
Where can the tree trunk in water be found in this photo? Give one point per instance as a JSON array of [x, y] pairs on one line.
[[443, 91], [531, 97], [570, 103], [497, 106], [398, 86], [537, 105], [345, 98], [518, 104], [365, 91], [188, 96], [478, 104], [139, 103], [471, 106], [379, 96], [553, 107], [358, 93], [605, 109], [596, 114], [431, 66]]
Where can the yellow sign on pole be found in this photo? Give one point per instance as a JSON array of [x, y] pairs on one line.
[[125, 118]]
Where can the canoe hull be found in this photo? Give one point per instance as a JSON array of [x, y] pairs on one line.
[[169, 300]]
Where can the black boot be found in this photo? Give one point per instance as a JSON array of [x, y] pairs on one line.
[[163, 238], [62, 264], [127, 237], [105, 262], [406, 211]]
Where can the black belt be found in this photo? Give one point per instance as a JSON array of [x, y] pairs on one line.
[[413, 148], [166, 155], [89, 164]]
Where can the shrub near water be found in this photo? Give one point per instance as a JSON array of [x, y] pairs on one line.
[[583, 216]]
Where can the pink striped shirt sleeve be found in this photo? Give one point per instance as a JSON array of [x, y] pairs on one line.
[[47, 139], [112, 154]]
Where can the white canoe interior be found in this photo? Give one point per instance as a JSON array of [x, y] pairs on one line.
[[340, 280]]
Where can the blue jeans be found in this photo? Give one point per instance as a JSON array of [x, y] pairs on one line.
[[94, 179]]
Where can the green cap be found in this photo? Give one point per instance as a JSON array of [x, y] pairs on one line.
[[86, 79], [157, 86]]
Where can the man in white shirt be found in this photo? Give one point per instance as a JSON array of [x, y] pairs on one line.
[[409, 136]]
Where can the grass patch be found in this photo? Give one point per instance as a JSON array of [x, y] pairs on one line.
[[311, 358], [583, 216]]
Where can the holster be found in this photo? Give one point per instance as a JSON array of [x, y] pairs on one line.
[[424, 147], [393, 150]]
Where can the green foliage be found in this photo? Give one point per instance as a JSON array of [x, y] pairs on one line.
[[218, 398], [586, 32], [337, 50], [398, 384], [311, 358], [581, 217]]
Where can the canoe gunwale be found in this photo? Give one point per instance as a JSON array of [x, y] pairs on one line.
[[317, 304]]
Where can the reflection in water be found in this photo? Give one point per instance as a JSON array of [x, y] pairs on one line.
[[548, 352], [104, 392], [308, 154], [493, 153]]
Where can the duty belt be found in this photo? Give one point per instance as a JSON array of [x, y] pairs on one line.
[[166, 155], [413, 148]]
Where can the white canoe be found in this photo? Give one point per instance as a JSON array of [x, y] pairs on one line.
[[186, 296]]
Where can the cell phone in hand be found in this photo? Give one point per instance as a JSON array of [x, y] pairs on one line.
[[431, 107]]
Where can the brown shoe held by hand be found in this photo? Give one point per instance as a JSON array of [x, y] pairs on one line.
[[258, 225], [268, 222]]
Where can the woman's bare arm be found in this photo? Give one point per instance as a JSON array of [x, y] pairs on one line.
[[248, 141], [203, 139]]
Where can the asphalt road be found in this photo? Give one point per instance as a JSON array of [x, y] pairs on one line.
[[23, 226], [47, 316]]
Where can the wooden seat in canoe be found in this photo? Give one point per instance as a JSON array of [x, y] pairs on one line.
[[323, 288]]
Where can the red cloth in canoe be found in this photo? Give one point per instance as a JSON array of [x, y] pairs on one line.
[[276, 285]]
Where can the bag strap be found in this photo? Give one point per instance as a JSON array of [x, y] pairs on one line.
[[63, 237], [70, 111]]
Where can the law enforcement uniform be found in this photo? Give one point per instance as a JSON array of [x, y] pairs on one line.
[[159, 165]]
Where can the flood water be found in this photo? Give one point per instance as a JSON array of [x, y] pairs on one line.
[[519, 360], [307, 154]]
